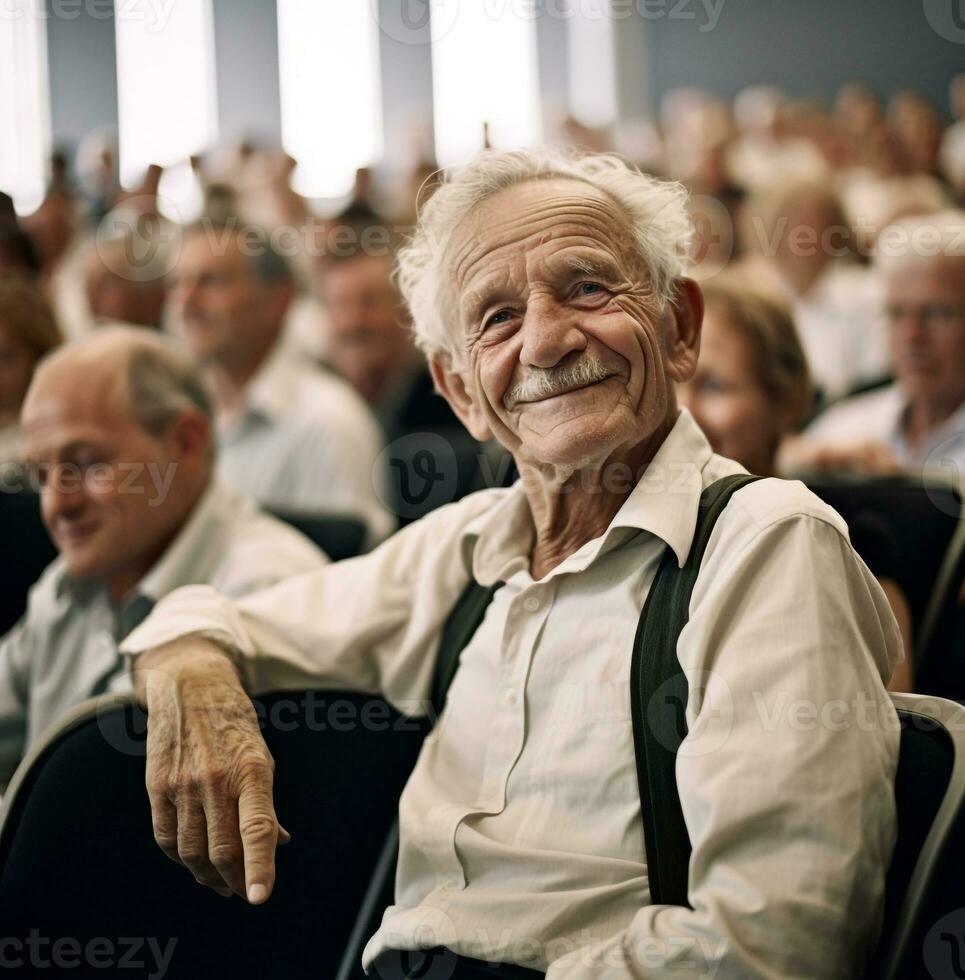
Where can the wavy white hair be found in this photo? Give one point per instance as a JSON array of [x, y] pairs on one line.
[[657, 210]]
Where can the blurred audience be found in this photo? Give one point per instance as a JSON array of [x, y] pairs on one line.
[[123, 287], [368, 340], [750, 391], [801, 241], [292, 436], [28, 332], [916, 424], [118, 431]]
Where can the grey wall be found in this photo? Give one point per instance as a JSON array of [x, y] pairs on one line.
[[246, 58], [405, 62], [810, 47], [83, 74]]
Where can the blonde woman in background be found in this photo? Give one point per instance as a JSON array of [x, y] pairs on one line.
[[751, 390]]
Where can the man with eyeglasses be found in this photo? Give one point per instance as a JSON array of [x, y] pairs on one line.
[[918, 422]]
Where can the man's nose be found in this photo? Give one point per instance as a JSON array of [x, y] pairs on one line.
[[549, 332], [62, 494]]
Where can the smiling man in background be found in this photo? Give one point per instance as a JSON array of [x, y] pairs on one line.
[[118, 431]]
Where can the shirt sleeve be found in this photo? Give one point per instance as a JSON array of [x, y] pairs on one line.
[[786, 776], [369, 624], [14, 682]]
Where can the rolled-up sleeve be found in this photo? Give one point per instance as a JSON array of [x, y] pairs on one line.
[[369, 624], [786, 776]]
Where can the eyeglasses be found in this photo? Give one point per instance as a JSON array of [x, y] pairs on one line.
[[931, 315]]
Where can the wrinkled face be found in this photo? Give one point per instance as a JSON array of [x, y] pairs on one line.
[[564, 343], [108, 488], [16, 368], [366, 340], [925, 312], [727, 399], [216, 300]]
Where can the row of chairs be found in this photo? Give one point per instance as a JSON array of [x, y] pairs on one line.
[[77, 856], [925, 522]]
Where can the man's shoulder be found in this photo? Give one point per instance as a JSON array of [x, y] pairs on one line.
[[768, 502], [258, 550]]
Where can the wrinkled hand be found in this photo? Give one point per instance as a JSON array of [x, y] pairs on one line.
[[209, 772]]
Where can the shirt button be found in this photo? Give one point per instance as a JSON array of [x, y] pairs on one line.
[[450, 884], [531, 604], [510, 695]]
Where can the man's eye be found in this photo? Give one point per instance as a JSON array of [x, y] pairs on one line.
[[501, 317], [588, 288]]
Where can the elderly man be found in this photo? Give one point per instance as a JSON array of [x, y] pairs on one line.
[[918, 422], [291, 436], [550, 296], [118, 431]]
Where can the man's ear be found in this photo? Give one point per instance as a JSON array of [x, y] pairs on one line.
[[190, 435], [685, 316], [451, 384]]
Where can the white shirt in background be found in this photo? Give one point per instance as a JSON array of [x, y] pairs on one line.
[[306, 442], [521, 836], [841, 329], [878, 416]]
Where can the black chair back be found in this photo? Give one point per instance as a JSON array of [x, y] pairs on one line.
[[27, 551], [339, 536], [923, 526], [78, 859]]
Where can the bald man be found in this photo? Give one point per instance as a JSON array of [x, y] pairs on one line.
[[117, 431]]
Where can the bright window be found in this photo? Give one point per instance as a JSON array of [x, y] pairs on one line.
[[331, 115], [591, 62], [484, 74], [24, 103], [167, 102]]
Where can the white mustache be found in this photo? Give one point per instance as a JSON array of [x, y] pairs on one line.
[[540, 383]]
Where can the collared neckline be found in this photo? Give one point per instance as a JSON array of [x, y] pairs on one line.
[[664, 503]]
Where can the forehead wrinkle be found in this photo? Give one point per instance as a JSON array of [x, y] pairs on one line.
[[599, 213]]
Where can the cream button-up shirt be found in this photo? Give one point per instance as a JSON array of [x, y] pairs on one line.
[[521, 836]]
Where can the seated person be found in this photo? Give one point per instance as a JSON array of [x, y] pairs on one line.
[[293, 437], [550, 293], [28, 331], [368, 341], [751, 391], [118, 429], [916, 424], [123, 288]]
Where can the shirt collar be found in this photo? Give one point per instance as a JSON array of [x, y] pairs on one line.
[[188, 559], [663, 503], [272, 391]]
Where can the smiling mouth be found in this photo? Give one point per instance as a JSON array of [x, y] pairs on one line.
[[564, 391]]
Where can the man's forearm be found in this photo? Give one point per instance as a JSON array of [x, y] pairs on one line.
[[182, 662]]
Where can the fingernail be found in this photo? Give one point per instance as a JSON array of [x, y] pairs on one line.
[[257, 894]]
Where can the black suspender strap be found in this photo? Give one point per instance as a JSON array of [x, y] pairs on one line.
[[658, 702], [658, 691], [465, 618]]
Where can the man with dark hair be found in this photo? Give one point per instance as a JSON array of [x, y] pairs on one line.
[[293, 437], [117, 430]]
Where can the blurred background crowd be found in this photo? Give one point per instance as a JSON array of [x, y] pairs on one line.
[[829, 230]]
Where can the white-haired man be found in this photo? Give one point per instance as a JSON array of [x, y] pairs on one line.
[[549, 294], [918, 422], [118, 431]]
